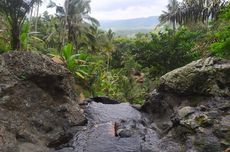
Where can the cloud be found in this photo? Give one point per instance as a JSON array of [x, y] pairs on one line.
[[123, 9], [127, 13], [107, 5], [120, 9]]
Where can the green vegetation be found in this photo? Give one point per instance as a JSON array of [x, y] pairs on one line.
[[14, 12], [108, 65], [221, 46], [190, 13]]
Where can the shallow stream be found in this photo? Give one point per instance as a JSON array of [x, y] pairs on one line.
[[117, 128]]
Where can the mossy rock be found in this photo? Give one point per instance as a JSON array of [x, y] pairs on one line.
[[209, 76]]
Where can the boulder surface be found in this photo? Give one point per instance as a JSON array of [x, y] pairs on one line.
[[210, 76], [38, 103], [192, 105]]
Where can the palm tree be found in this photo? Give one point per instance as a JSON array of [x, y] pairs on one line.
[[75, 14], [193, 11], [15, 13], [171, 15], [95, 38], [37, 14], [109, 46], [77, 17]]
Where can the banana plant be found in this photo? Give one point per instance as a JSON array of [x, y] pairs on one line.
[[76, 63], [28, 39]]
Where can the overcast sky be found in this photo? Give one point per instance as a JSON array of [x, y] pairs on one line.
[[120, 9]]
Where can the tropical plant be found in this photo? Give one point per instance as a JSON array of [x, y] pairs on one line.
[[221, 45], [4, 36], [15, 12], [108, 46], [95, 39], [190, 12], [24, 38], [76, 63], [75, 15], [199, 10], [171, 15]]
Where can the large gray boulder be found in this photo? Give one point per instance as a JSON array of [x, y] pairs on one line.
[[38, 103], [210, 76], [192, 104]]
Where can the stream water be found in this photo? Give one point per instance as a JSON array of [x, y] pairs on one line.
[[117, 128]]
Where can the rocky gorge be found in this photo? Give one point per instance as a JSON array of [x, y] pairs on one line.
[[188, 111]]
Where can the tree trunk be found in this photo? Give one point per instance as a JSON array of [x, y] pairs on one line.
[[36, 22], [71, 36], [15, 39], [174, 26]]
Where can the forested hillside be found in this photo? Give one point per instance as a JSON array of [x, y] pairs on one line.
[[105, 64], [130, 27]]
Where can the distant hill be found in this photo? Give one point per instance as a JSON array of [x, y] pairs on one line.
[[130, 26]]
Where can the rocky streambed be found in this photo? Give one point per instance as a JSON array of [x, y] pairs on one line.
[[189, 111], [118, 128]]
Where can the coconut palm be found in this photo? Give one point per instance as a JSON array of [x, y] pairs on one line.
[[77, 18], [191, 11], [38, 4], [95, 38], [200, 10], [171, 14], [109, 46]]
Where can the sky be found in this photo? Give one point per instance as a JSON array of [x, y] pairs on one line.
[[119, 9]]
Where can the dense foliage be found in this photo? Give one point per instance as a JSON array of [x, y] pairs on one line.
[[192, 12], [221, 46], [14, 12], [120, 67]]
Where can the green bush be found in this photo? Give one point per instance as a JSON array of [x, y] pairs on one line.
[[221, 47]]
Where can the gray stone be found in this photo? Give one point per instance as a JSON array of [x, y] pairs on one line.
[[207, 143], [38, 102], [208, 76], [185, 111], [195, 99]]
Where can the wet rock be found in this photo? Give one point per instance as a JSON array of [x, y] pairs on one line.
[[222, 131], [185, 111], [207, 143], [225, 106], [195, 99], [119, 131], [195, 120], [168, 145], [29, 147], [203, 108], [157, 105], [149, 148], [62, 139], [37, 102], [124, 133], [7, 141], [213, 114], [203, 121], [109, 112], [155, 127]]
